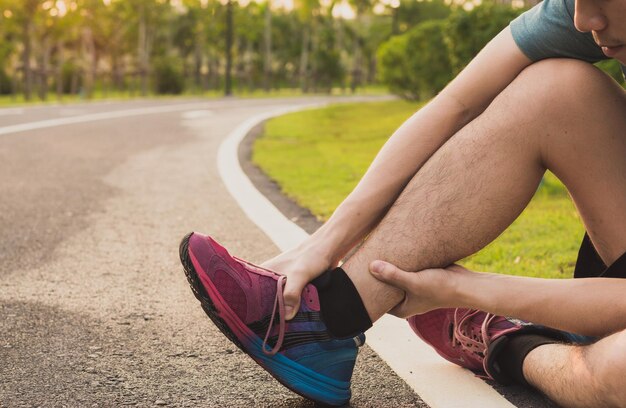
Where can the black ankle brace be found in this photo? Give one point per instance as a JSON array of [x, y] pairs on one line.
[[341, 305], [510, 358]]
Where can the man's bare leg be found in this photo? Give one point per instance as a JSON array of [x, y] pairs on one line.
[[562, 115], [580, 376]]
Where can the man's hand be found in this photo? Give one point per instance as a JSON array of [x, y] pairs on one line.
[[301, 265], [423, 291]]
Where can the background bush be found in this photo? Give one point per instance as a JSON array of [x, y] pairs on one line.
[[168, 76], [416, 65], [613, 68], [467, 32], [5, 83], [420, 62], [71, 77]]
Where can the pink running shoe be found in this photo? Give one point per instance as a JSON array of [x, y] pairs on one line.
[[467, 337], [246, 303]]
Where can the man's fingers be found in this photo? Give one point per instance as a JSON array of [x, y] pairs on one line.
[[388, 273], [401, 310], [291, 294]]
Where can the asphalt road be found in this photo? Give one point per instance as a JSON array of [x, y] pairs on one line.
[[94, 307]]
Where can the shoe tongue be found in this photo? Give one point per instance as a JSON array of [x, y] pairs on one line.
[[503, 325]]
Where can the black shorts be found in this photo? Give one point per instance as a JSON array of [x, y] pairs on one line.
[[590, 265]]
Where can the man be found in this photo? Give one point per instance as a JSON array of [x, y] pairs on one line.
[[447, 183]]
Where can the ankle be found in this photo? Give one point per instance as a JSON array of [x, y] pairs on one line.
[[342, 309]]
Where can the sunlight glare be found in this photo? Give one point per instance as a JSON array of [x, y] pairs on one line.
[[344, 10]]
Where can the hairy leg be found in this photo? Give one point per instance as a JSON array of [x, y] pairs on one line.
[[581, 376], [562, 115]]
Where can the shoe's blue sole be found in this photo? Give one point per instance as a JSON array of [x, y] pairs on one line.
[[299, 379]]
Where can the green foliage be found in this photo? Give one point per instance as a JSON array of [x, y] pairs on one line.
[[419, 63], [393, 66], [411, 13], [168, 76], [120, 44], [613, 68], [467, 32], [5, 83], [416, 65], [328, 70], [318, 157], [70, 72]]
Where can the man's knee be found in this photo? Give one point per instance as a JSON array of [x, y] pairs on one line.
[[555, 86], [558, 100], [610, 369]]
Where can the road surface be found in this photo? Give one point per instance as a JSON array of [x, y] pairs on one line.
[[94, 307]]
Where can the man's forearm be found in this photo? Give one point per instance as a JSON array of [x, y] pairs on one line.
[[399, 159], [592, 306]]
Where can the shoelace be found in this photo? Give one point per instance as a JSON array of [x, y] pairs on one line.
[[471, 341], [279, 304]]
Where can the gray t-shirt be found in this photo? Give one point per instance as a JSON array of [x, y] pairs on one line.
[[547, 31]]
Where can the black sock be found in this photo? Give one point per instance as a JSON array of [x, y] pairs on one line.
[[510, 357], [341, 305]]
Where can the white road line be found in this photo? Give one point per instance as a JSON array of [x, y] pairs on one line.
[[197, 114], [11, 111], [438, 382], [92, 117], [257, 207]]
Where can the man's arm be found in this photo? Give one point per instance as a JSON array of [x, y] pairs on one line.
[[417, 139], [590, 306], [493, 69]]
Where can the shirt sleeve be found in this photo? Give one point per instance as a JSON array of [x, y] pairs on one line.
[[547, 31]]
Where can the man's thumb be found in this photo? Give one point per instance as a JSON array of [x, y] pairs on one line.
[[291, 295], [388, 273]]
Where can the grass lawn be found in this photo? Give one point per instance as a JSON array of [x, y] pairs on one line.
[[318, 157], [7, 101]]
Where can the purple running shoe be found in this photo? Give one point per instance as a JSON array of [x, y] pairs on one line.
[[467, 337], [246, 303]]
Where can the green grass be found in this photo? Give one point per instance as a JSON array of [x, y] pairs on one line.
[[318, 157], [99, 95]]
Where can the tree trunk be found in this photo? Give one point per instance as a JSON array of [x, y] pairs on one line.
[[89, 60], [356, 65], [143, 51], [197, 63], [74, 83], [304, 60], [240, 68], [214, 70], [43, 71], [59, 73], [26, 68], [116, 76], [228, 86], [314, 74], [267, 49], [248, 67], [340, 46]]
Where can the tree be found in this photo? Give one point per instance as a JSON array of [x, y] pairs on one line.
[[411, 13], [467, 32], [415, 65], [267, 46]]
